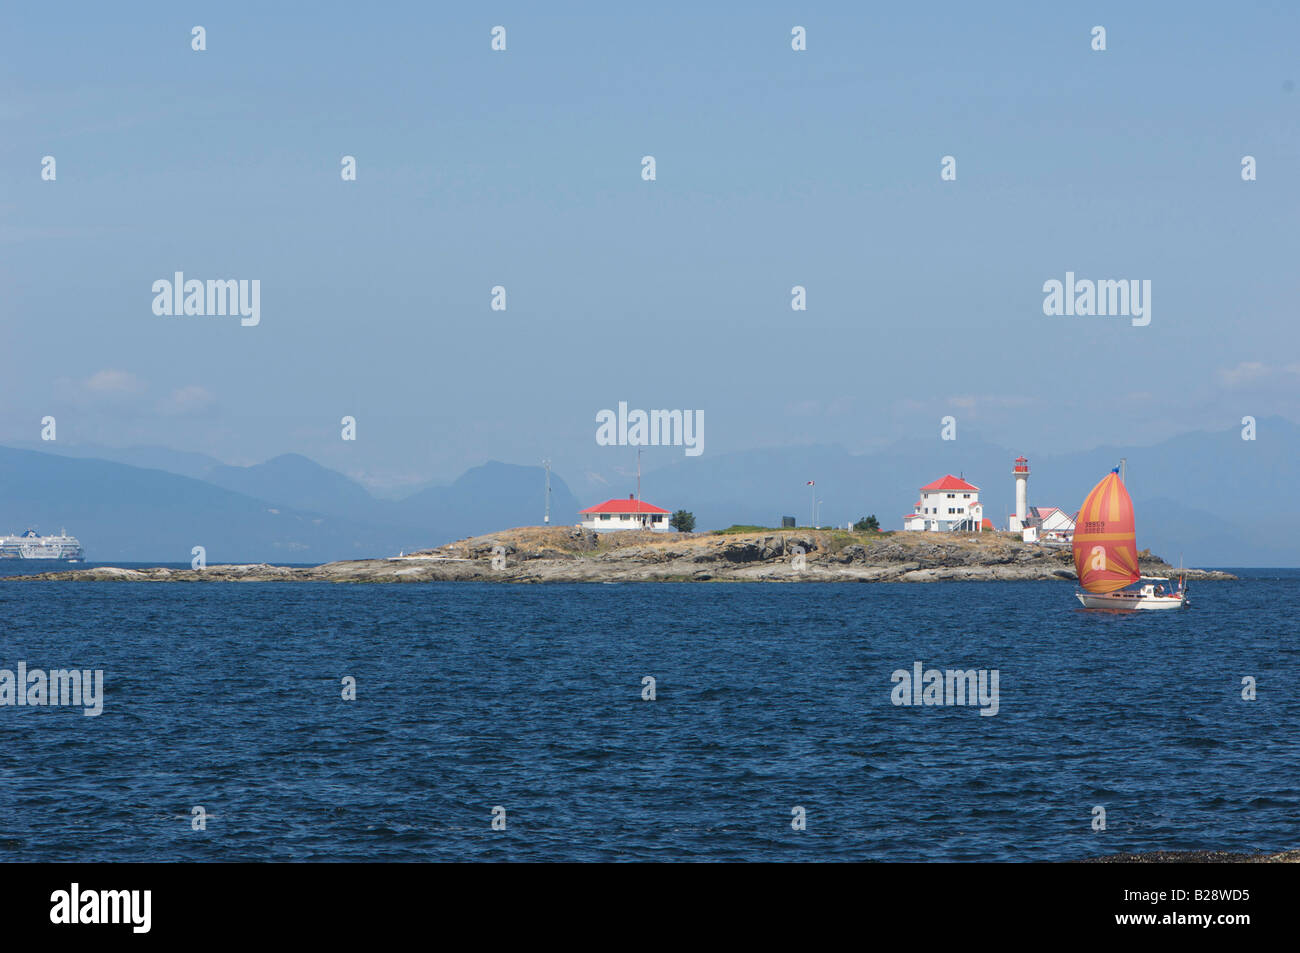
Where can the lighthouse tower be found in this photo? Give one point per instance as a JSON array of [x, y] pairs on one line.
[[1021, 473]]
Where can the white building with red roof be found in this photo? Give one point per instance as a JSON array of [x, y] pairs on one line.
[[949, 503], [625, 514]]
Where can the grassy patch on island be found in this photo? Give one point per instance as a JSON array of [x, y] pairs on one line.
[[854, 534]]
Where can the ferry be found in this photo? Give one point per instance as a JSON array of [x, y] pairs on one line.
[[32, 545]]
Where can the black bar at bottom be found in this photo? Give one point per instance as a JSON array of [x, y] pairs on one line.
[[947, 902]]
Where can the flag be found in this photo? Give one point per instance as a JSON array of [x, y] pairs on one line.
[[811, 483]]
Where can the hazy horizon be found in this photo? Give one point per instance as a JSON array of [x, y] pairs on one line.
[[668, 456]]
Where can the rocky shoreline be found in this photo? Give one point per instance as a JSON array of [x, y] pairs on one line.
[[570, 554], [1197, 857]]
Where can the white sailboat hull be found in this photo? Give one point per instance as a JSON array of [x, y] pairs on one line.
[[1131, 600]]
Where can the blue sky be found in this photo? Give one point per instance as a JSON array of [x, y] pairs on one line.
[[774, 168]]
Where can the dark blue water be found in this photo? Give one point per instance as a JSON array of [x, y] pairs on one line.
[[529, 697]]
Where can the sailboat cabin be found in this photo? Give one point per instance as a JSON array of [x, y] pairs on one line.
[[947, 504]]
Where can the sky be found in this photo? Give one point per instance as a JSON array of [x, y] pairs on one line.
[[523, 168]]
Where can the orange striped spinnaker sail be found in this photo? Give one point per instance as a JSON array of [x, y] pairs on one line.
[[1105, 543]]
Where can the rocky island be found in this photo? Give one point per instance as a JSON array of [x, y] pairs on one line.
[[742, 554]]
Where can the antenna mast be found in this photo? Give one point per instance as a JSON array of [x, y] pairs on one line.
[[546, 520]]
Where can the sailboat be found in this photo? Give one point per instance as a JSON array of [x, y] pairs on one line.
[[1105, 555]]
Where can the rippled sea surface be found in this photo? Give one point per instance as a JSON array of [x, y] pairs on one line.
[[769, 696]]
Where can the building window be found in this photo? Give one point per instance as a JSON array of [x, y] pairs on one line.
[[965, 496], [952, 496], [604, 516]]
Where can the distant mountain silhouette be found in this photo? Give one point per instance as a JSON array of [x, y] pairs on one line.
[[288, 509], [180, 462], [124, 513], [295, 481]]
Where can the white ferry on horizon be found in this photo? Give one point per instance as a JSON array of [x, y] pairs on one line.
[[32, 545]]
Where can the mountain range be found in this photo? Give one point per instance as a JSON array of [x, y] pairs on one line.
[[287, 510], [1204, 497]]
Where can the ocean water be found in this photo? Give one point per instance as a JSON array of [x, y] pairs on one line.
[[768, 697]]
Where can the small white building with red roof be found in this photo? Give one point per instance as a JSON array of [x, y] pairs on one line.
[[949, 503], [625, 514], [1048, 522]]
